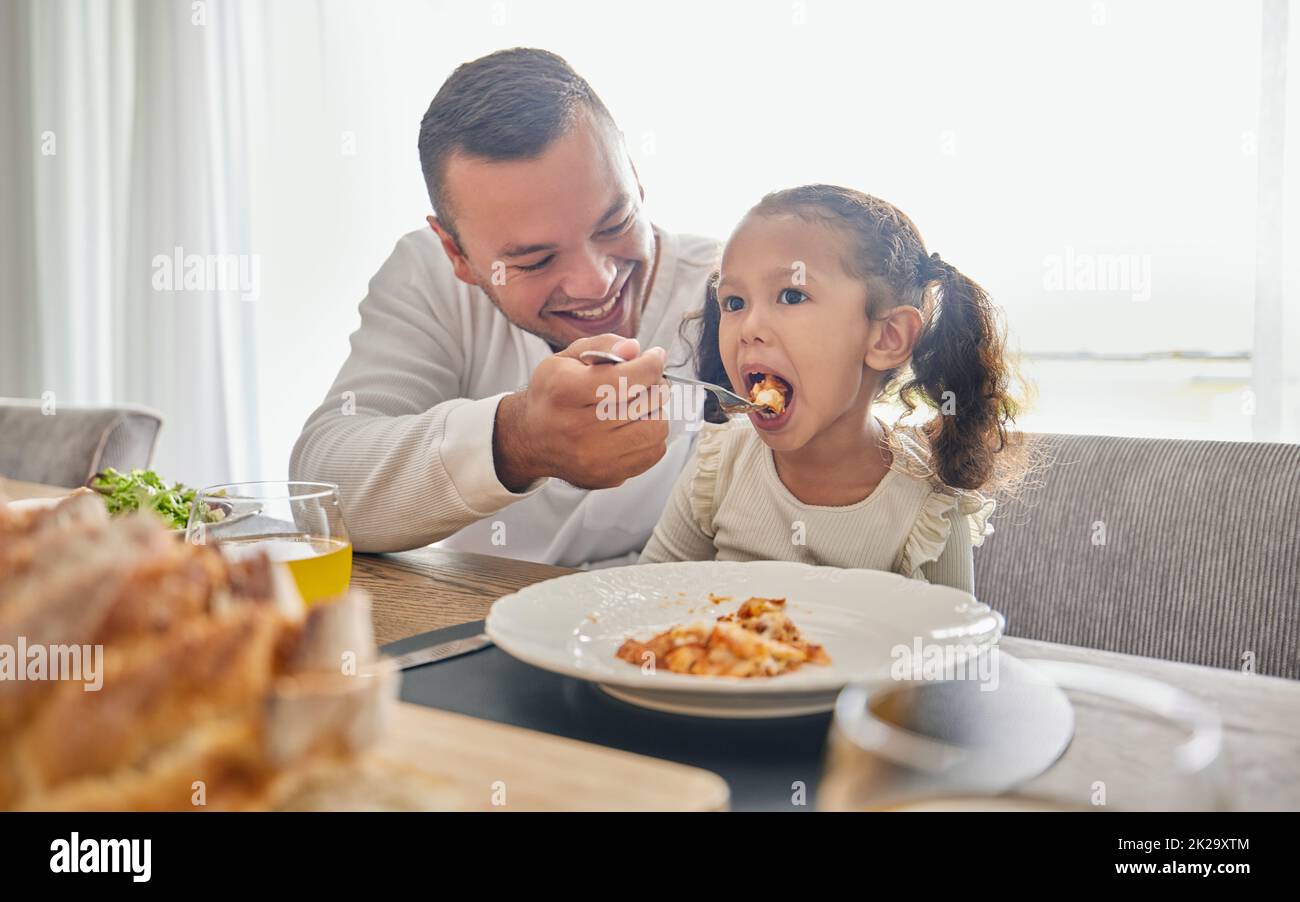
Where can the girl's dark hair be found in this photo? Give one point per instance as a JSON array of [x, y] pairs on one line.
[[958, 367]]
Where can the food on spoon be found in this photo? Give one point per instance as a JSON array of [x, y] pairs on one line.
[[769, 392], [757, 640]]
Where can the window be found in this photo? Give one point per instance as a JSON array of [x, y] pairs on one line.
[[1095, 165]]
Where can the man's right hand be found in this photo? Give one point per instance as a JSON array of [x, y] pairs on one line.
[[552, 427]]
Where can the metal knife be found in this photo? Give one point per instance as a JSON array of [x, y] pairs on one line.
[[442, 651]]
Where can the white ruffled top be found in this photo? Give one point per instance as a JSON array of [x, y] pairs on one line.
[[930, 533], [730, 504]]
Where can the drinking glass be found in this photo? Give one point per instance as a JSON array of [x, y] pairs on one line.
[[946, 745], [298, 524]]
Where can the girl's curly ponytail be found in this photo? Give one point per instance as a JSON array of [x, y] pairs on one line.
[[959, 369]]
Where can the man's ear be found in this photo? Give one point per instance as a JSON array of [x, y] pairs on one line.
[[892, 337], [451, 248], [636, 176]]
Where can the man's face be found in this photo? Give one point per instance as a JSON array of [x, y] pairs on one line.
[[560, 243]]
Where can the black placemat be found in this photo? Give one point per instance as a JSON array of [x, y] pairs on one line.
[[770, 765]]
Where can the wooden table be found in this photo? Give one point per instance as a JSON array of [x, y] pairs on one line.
[[429, 589]]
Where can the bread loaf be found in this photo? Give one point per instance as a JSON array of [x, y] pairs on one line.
[[214, 682]]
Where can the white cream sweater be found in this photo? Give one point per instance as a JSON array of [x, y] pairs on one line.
[[730, 504], [406, 429]]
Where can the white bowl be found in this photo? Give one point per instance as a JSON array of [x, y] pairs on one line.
[[574, 624]]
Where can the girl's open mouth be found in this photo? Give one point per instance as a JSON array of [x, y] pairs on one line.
[[772, 391]]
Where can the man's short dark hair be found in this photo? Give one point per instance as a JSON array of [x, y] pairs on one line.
[[508, 105]]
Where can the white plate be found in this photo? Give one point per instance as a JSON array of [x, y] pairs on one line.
[[574, 624], [34, 503], [42, 503]]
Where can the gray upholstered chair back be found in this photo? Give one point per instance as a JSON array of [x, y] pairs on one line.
[[1186, 550], [69, 446]]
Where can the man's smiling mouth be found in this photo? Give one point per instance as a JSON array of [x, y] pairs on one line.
[[600, 310], [594, 312]]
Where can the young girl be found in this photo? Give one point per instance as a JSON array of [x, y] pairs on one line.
[[831, 292]]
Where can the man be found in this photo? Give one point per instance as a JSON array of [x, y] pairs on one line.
[[463, 413]]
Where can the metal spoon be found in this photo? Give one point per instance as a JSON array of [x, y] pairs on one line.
[[729, 401]]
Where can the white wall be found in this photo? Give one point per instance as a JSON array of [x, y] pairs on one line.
[[1011, 132]]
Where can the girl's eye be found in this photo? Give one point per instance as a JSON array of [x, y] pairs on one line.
[[731, 304], [791, 296], [538, 265]]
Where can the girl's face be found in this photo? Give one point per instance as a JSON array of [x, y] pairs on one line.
[[789, 309]]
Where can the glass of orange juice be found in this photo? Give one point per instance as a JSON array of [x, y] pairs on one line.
[[298, 524]]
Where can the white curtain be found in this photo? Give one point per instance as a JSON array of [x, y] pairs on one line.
[[127, 128]]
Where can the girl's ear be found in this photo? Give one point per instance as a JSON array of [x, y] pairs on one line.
[[891, 338]]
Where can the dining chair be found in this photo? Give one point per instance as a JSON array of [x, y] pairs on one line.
[[66, 445], [1177, 549]]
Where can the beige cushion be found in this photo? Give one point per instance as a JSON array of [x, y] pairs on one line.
[[69, 446], [1201, 558]]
